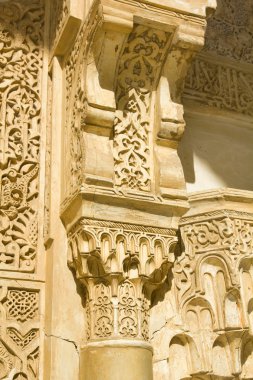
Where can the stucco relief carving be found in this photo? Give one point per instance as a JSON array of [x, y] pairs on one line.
[[212, 278], [75, 71], [19, 336], [21, 40], [120, 266], [219, 85], [138, 71], [229, 32]]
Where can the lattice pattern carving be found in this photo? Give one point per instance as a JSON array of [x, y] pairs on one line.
[[19, 332], [22, 305]]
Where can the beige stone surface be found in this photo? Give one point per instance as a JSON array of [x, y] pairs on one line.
[[126, 203]]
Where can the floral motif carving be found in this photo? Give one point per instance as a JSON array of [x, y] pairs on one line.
[[103, 312], [6, 361], [33, 364], [59, 12], [21, 40], [220, 86], [139, 67], [128, 317]]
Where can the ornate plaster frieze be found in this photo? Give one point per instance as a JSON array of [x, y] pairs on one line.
[[21, 39], [120, 265], [219, 84]]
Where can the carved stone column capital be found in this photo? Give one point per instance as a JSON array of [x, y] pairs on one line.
[[214, 281], [120, 265]]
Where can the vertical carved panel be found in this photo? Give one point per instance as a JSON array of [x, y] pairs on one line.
[[21, 44], [139, 67], [103, 313], [128, 317], [22, 48]]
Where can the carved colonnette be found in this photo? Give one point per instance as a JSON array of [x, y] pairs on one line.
[[21, 62], [213, 282]]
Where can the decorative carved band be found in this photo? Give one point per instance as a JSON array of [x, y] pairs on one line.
[[233, 235], [221, 86]]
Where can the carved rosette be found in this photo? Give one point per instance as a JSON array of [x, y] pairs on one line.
[[120, 265]]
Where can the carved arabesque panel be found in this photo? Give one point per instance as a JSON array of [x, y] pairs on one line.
[[75, 103], [21, 44], [139, 67], [230, 31]]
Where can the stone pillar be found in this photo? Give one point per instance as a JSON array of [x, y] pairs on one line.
[[123, 189]]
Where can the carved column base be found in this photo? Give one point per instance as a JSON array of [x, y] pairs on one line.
[[133, 360]]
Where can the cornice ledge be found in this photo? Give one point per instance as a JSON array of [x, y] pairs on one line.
[[220, 202]]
